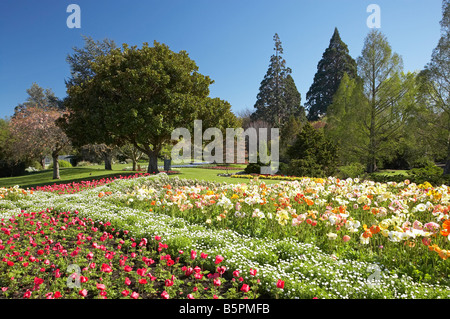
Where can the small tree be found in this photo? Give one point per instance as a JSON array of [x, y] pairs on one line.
[[36, 134]]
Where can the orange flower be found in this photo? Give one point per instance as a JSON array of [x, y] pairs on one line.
[[153, 203], [367, 234], [309, 202], [375, 229], [446, 225], [366, 207]]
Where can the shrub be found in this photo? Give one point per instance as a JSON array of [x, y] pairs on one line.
[[62, 163], [353, 170], [422, 163]]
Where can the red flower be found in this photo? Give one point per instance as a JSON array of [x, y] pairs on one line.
[[280, 284], [125, 292], [219, 259], [221, 270], [83, 292], [127, 281], [236, 273], [168, 283], [203, 255], [128, 268], [10, 263], [142, 281], [57, 294], [217, 282], [101, 286], [190, 296], [134, 295], [40, 252], [157, 237], [193, 254], [253, 272], [106, 268], [245, 288], [165, 295], [27, 294]]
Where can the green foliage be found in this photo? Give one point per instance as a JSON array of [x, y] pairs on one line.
[[278, 97], [430, 172], [352, 170], [336, 61], [62, 163], [422, 162], [312, 154], [140, 96]]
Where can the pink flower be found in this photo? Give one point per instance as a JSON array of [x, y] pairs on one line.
[[245, 288], [190, 296], [134, 295], [101, 286], [165, 295], [83, 292], [193, 254], [217, 282], [219, 259], [221, 270], [346, 238], [106, 268]]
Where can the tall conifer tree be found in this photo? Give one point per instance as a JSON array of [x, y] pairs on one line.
[[335, 61]]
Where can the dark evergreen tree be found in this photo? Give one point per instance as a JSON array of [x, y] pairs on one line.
[[331, 68], [278, 97], [312, 154]]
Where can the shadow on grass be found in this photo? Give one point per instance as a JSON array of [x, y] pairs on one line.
[[67, 175]]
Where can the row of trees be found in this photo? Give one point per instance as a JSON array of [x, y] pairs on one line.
[[127, 97], [366, 110]]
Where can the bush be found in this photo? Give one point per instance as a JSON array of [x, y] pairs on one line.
[[254, 168], [422, 163], [429, 171], [62, 164], [353, 170], [305, 167]]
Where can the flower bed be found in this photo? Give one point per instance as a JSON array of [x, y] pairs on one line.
[[307, 257], [40, 250]]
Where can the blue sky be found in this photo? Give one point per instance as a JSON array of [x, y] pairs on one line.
[[231, 41]]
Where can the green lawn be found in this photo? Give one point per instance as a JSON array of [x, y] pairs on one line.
[[78, 174]]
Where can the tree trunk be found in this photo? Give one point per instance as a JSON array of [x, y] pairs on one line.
[[108, 159], [55, 166], [43, 162], [152, 162]]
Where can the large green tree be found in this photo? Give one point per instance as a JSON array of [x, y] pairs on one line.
[[435, 86], [335, 61], [278, 97], [140, 95], [368, 117], [81, 70]]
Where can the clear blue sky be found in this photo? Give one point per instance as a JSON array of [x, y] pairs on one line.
[[231, 41]]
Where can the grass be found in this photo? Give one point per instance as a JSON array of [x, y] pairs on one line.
[[85, 173]]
